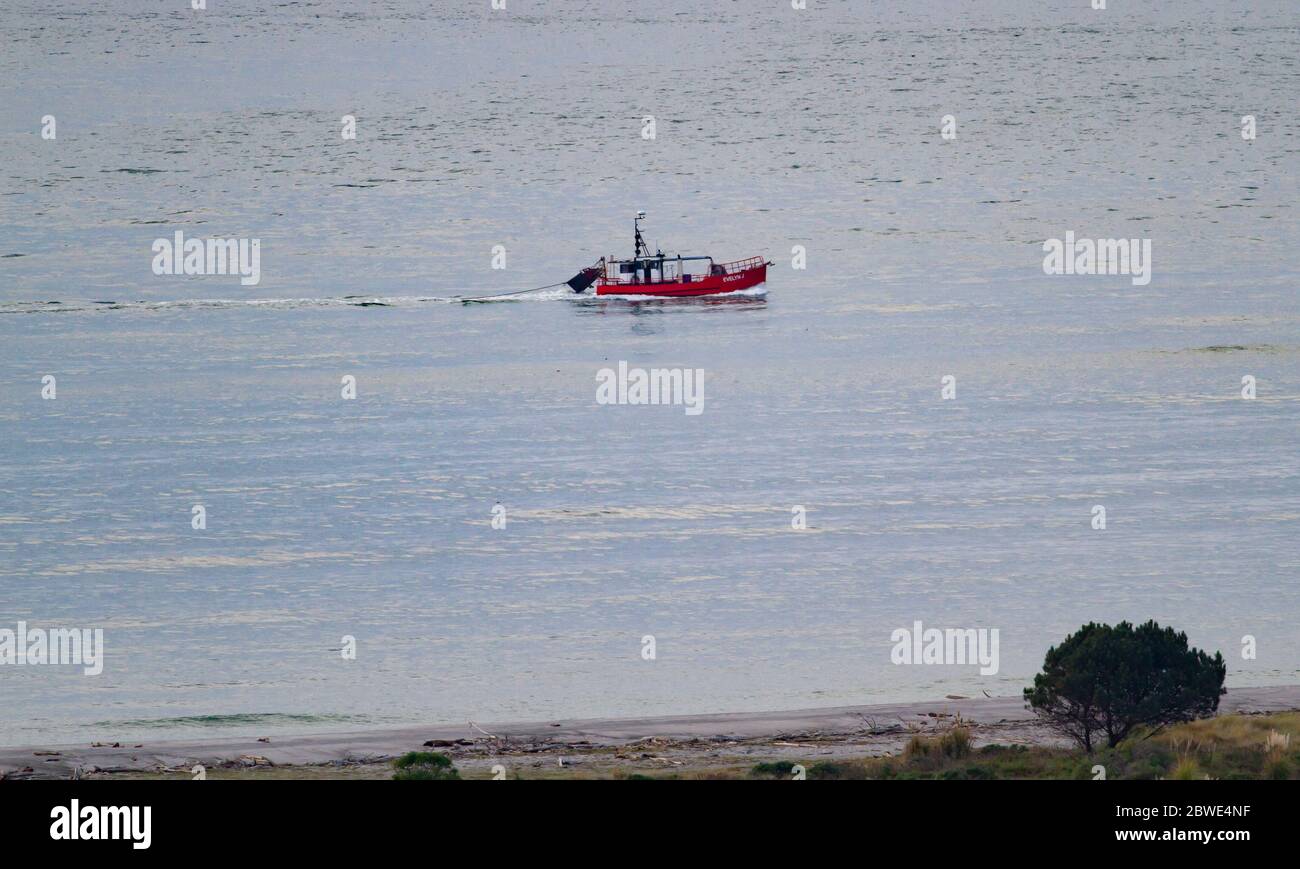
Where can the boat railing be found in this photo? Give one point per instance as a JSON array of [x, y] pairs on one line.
[[743, 264]]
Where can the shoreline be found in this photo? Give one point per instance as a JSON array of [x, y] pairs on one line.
[[664, 742]]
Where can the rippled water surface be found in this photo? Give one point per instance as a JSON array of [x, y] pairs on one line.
[[774, 128]]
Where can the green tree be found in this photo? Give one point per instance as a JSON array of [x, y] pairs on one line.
[[1105, 680]]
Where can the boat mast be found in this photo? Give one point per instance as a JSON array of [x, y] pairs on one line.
[[641, 248]]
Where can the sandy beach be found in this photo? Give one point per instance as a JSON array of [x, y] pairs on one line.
[[596, 746]]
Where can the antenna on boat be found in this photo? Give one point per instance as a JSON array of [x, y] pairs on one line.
[[641, 248]]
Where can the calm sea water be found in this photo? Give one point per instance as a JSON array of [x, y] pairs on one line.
[[774, 128]]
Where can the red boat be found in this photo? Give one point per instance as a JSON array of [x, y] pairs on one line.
[[659, 274]]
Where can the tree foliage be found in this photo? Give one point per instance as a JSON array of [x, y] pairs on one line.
[[1108, 681]]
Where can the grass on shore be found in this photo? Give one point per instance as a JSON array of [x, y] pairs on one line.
[[1226, 747]]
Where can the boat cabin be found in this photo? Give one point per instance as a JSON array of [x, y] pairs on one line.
[[660, 269]]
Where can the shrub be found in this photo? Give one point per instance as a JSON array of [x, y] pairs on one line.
[[918, 748], [1276, 744], [774, 768], [952, 744], [838, 770], [424, 766], [955, 743], [1105, 680], [1277, 770]]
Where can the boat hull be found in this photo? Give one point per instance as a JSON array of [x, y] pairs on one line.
[[706, 285]]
